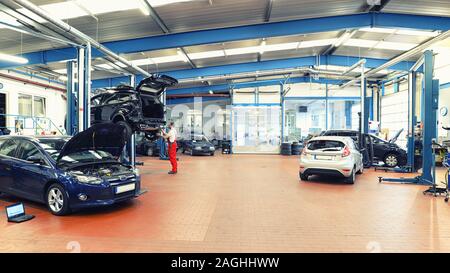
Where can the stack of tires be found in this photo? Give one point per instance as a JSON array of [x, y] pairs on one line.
[[296, 148], [286, 148]]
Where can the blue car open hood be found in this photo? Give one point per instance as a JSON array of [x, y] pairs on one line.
[[107, 137]]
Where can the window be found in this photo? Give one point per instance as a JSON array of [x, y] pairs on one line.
[[112, 99], [9, 148], [25, 105], [325, 145], [28, 149], [39, 107], [96, 101]]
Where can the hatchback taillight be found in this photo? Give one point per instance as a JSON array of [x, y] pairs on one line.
[[346, 152]]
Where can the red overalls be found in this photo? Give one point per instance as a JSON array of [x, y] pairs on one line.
[[173, 155]]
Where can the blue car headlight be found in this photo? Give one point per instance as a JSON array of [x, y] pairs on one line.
[[85, 179]]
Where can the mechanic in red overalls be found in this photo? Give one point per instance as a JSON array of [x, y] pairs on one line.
[[171, 137]]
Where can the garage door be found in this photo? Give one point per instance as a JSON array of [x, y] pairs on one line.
[[394, 115]]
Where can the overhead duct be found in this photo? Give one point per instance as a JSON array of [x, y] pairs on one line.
[[66, 28]]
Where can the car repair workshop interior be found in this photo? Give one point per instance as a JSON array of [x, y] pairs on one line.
[[217, 126]]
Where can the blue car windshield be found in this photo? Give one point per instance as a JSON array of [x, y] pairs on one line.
[[87, 156], [53, 146]]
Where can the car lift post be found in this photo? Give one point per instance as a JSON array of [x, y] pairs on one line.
[[161, 142], [84, 86], [412, 119], [72, 113], [429, 108], [132, 142]]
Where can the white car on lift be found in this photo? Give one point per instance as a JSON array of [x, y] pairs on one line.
[[331, 156]]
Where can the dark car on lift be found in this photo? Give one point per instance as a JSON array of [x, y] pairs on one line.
[[386, 151], [69, 173], [146, 147], [197, 145], [138, 109]]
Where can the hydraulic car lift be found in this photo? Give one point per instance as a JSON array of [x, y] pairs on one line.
[[429, 107]]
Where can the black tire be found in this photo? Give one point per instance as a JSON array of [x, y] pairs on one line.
[[391, 160], [361, 171], [303, 177], [127, 127], [54, 193], [351, 179], [212, 154], [150, 151]]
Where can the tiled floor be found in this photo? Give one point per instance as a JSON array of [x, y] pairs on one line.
[[243, 203]]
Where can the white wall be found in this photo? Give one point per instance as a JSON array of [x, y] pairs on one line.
[[55, 103]]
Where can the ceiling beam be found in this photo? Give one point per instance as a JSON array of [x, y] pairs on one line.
[[160, 22], [259, 31], [261, 66], [375, 7], [268, 11]]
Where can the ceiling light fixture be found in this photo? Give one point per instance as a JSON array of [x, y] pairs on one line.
[[144, 8], [13, 59], [262, 47]]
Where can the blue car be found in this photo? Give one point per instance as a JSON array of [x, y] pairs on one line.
[[69, 173]]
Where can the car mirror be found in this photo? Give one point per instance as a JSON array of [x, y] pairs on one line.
[[36, 160]]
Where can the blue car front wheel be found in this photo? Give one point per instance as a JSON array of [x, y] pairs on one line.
[[57, 200]]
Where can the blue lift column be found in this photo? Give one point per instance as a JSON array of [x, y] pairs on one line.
[[412, 119], [429, 108], [132, 144], [72, 113], [84, 87], [429, 112]]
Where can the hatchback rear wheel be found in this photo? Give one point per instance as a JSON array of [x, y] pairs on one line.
[[303, 177], [351, 179]]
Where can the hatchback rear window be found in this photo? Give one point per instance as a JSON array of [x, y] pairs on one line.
[[325, 145]]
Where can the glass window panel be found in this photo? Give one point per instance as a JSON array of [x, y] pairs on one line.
[[39, 107], [25, 105]]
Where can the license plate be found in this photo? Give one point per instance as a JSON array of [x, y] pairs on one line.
[[125, 188], [324, 157]]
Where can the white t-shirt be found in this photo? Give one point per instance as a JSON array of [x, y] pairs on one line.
[[172, 134]]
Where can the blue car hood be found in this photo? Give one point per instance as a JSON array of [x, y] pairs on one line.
[[107, 137]]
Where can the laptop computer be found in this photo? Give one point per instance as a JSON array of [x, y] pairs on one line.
[[16, 213]]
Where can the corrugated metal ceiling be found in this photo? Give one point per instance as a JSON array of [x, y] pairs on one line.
[[200, 14]]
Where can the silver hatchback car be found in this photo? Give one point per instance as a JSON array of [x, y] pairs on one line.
[[331, 156]]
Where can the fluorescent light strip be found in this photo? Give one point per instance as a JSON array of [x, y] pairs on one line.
[[13, 59], [401, 31], [379, 44]]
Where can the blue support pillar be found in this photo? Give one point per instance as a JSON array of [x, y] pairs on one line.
[[87, 87], [428, 118], [71, 113], [326, 106], [365, 108], [283, 114], [412, 119], [371, 105]]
